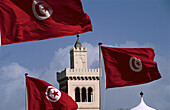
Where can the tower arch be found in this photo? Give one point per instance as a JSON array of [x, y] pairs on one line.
[[77, 94], [90, 94], [84, 94]]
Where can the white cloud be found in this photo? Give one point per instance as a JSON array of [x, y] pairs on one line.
[[127, 44], [61, 59], [121, 99], [12, 71], [12, 86], [12, 82], [133, 44], [92, 55]]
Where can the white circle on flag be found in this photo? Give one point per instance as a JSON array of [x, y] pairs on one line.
[[135, 64], [53, 94], [43, 10]]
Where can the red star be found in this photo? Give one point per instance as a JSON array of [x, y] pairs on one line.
[[138, 63], [55, 93]]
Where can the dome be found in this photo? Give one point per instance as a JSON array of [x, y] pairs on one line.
[[142, 105]]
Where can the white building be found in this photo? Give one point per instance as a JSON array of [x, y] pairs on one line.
[[142, 105], [81, 83]]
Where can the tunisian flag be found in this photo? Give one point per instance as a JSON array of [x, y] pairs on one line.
[[129, 66], [29, 20], [43, 96]]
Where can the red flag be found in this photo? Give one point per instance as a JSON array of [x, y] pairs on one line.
[[29, 20], [43, 96], [129, 66]]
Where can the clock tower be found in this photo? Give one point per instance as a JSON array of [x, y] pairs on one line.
[[80, 83]]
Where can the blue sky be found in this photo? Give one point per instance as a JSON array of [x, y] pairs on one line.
[[119, 23]]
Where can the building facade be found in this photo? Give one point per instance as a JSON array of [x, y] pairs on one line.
[[81, 83]]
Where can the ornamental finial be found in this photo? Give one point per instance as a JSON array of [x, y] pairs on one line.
[[77, 44], [141, 93]]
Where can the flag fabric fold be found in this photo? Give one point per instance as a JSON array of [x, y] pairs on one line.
[[30, 20], [43, 96], [129, 66]]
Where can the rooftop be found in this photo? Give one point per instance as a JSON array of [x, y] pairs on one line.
[[142, 105]]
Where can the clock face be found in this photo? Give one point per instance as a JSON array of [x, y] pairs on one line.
[[80, 62]]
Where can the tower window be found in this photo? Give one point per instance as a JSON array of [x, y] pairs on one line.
[[84, 98], [77, 94], [90, 94]]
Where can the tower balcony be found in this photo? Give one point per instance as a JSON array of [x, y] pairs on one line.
[[78, 74]]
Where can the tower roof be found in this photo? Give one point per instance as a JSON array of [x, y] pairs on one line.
[[77, 44], [142, 105]]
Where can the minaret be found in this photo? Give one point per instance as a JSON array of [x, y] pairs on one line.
[[142, 105], [78, 56], [80, 83]]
